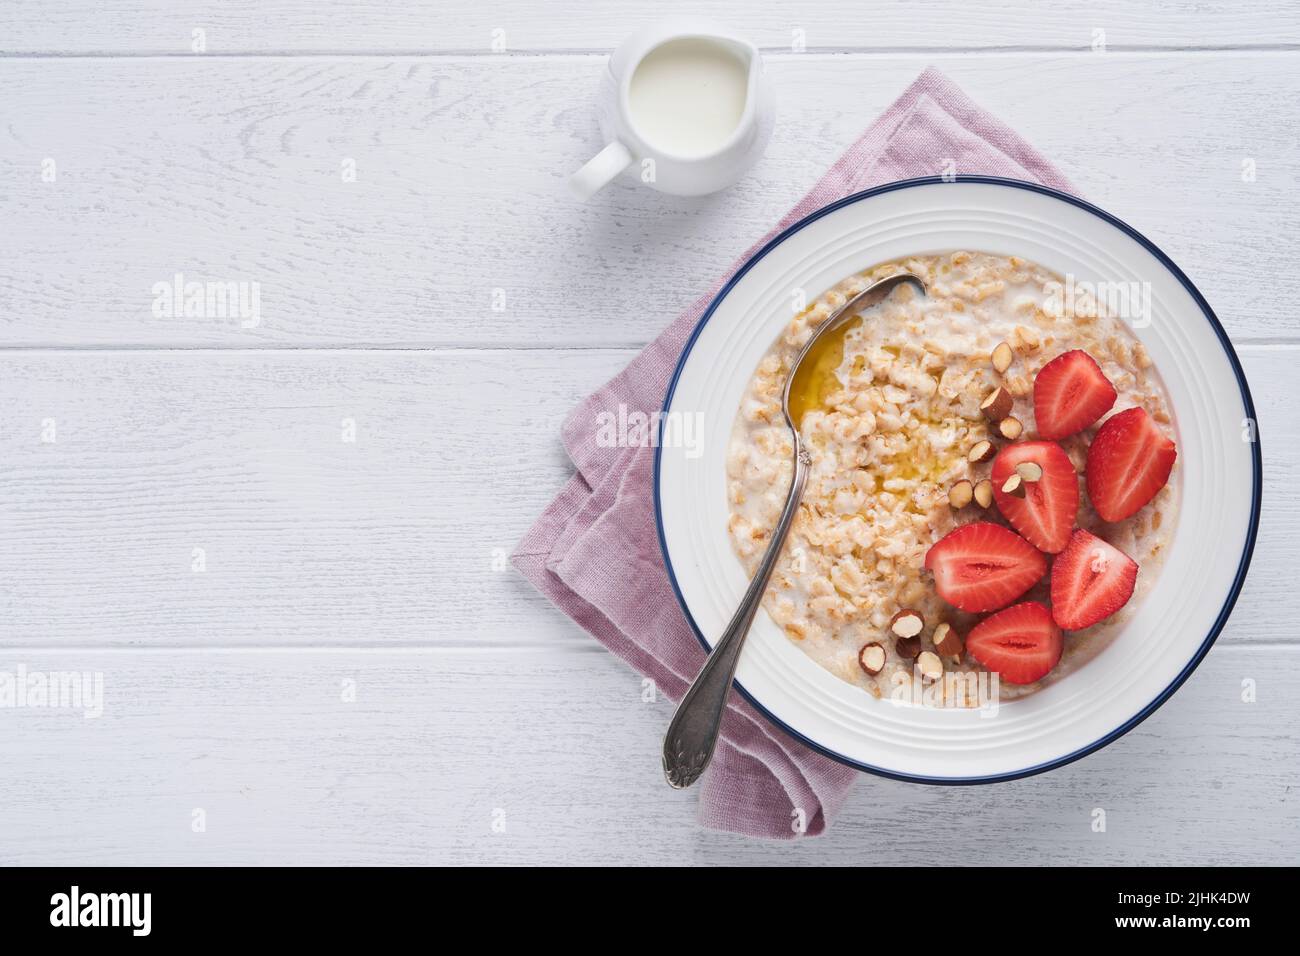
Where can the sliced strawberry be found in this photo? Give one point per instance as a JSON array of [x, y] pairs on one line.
[[983, 566], [1128, 462], [1070, 393], [1046, 513], [1091, 580], [1021, 643]]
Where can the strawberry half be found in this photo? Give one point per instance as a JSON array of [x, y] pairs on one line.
[[983, 566], [1021, 643], [1091, 580], [1045, 515], [1070, 393], [1128, 462]]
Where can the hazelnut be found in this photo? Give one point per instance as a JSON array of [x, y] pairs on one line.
[[947, 642], [908, 647], [1002, 358], [1030, 471], [907, 623], [872, 658], [997, 405], [931, 668], [960, 494]]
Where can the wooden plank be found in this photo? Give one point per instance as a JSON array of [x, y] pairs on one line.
[[398, 538], [232, 170], [560, 747], [156, 26]]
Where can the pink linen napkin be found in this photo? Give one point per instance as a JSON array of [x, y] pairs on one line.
[[595, 551]]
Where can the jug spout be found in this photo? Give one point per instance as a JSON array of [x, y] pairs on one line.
[[635, 47]]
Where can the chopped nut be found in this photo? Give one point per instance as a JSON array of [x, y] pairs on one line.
[[1014, 486], [1010, 428], [1077, 452], [907, 623], [960, 494], [931, 668], [1030, 470], [1019, 386], [948, 642], [984, 493], [1002, 358], [982, 450], [908, 647], [1024, 339], [872, 658], [997, 405]]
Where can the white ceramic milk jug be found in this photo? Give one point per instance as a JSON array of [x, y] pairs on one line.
[[684, 105]]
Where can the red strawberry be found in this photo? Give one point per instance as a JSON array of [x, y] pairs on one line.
[[1021, 643], [1046, 513], [1091, 580], [1128, 462], [1070, 393], [983, 566]]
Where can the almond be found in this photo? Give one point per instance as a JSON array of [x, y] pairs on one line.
[[997, 405], [907, 623], [1002, 357], [1010, 428], [982, 450], [947, 642], [872, 658], [1025, 339], [960, 494], [984, 493], [1030, 471], [1019, 386], [908, 647], [1014, 486], [931, 668]]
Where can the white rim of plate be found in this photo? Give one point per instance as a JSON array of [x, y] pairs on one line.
[[1068, 719]]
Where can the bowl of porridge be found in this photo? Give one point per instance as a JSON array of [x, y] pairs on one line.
[[1032, 495]]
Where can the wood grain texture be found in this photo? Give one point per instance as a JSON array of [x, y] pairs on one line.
[[381, 562], [562, 744], [398, 538], [235, 26], [231, 169]]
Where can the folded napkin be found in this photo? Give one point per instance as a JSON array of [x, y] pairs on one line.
[[595, 552]]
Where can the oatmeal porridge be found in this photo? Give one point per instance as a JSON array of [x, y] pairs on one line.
[[989, 481]]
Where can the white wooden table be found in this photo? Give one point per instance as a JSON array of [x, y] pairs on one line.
[[355, 675]]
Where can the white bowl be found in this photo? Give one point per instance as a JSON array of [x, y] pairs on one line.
[[1218, 454]]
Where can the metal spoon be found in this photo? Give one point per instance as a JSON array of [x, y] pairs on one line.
[[693, 732]]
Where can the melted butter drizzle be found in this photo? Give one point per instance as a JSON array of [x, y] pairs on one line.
[[816, 379]]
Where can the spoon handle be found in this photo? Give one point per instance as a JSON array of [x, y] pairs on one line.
[[693, 732]]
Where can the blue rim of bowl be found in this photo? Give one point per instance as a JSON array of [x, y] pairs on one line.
[[1256, 485]]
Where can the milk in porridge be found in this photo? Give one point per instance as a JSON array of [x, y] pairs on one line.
[[892, 418]]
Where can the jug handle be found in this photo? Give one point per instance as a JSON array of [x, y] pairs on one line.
[[599, 170]]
